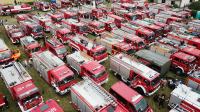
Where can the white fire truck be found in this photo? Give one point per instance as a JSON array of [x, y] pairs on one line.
[[184, 99], [144, 79], [21, 86], [87, 96], [193, 80], [85, 66], [54, 71]]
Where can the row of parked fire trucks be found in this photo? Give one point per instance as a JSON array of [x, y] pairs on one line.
[[157, 42]]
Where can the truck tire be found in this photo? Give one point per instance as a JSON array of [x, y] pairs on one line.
[[179, 71], [139, 90]]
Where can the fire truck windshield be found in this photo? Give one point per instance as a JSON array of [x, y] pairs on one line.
[[155, 81], [37, 29], [141, 106], [100, 52], [62, 50], [5, 54], [65, 80], [29, 101], [99, 74]]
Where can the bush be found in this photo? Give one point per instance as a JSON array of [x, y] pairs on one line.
[[195, 6]]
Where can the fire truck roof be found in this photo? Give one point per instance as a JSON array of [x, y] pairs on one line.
[[62, 72], [54, 42], [25, 89], [115, 16], [186, 94], [123, 45], [151, 56], [191, 50], [64, 30], [2, 102], [73, 21], [29, 42], [95, 96], [139, 68], [80, 57], [49, 106], [184, 56], [197, 40], [15, 74], [49, 60], [133, 37], [107, 20], [94, 67], [126, 92], [3, 45]]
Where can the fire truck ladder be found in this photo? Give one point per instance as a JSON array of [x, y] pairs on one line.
[[106, 95], [20, 70], [178, 108]]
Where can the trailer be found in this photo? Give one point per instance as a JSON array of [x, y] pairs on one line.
[[14, 32], [54, 71], [155, 61], [84, 65], [49, 106], [87, 96], [184, 99], [140, 77], [21, 86], [30, 45]]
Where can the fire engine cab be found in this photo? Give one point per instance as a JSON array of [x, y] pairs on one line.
[[44, 21], [54, 71], [97, 52], [69, 14], [14, 32], [86, 66], [56, 17], [49, 106], [76, 26], [184, 99], [30, 27], [22, 17], [87, 96], [44, 6], [56, 47], [132, 100], [30, 45], [64, 35], [21, 86], [140, 77]]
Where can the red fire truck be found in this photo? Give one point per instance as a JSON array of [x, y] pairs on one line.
[[156, 29], [184, 99], [95, 27], [117, 20], [30, 45], [13, 9], [43, 6], [65, 3], [54, 71], [164, 26], [166, 18], [86, 66], [108, 23], [14, 32], [132, 100], [44, 21], [181, 62], [87, 96], [22, 17], [76, 26], [30, 27], [7, 55], [146, 34], [56, 47], [136, 42], [192, 40], [49, 106], [140, 77], [69, 13], [97, 13], [97, 52], [21, 86], [64, 35], [56, 17]]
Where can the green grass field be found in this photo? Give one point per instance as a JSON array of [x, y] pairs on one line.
[[47, 91]]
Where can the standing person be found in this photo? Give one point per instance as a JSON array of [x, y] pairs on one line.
[[1, 22]]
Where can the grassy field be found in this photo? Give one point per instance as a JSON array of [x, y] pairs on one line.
[[47, 91]]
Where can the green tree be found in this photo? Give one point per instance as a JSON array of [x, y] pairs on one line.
[[195, 6]]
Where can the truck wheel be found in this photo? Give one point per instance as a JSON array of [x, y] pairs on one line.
[[179, 71], [139, 90]]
